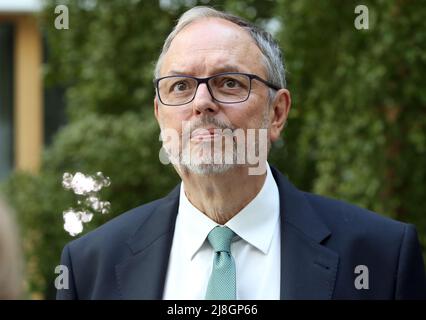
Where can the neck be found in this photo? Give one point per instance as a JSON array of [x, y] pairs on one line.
[[221, 196]]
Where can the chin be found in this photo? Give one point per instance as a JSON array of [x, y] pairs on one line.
[[207, 169]]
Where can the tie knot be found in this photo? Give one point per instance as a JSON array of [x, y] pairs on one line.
[[220, 238]]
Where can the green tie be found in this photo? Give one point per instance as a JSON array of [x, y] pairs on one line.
[[222, 282]]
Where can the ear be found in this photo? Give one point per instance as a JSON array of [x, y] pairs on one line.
[[156, 108], [280, 110]]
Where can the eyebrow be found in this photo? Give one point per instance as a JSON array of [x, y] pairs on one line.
[[216, 70]]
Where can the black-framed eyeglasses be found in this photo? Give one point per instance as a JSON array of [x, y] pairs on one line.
[[227, 87]]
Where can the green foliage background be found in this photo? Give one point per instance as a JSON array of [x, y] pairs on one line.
[[356, 130]]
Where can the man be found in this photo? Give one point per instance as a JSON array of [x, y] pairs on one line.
[[230, 230]]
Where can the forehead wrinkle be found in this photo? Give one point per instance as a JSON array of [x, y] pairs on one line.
[[207, 65], [207, 62]]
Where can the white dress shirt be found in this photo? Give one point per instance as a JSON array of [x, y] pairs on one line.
[[256, 249]]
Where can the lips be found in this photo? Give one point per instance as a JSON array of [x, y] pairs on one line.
[[205, 134]]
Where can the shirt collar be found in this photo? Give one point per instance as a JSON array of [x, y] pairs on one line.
[[195, 224], [255, 223]]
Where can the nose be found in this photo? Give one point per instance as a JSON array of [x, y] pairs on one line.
[[203, 101]]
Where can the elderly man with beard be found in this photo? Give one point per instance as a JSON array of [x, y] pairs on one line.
[[235, 228]]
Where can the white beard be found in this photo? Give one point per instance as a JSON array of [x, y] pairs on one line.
[[206, 159]]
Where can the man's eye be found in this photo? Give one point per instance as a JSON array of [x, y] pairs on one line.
[[180, 86], [230, 83]]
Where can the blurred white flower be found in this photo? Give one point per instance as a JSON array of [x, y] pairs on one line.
[[86, 188], [73, 224], [97, 205], [105, 181], [66, 180], [86, 216], [105, 207], [93, 202], [82, 184]]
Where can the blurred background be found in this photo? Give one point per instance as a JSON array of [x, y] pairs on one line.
[[81, 99]]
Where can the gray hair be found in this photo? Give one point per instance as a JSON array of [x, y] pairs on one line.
[[272, 56]]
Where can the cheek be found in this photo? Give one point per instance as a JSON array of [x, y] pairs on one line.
[[247, 117], [172, 118]]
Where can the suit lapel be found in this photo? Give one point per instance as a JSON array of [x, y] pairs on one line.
[[308, 269], [142, 276]]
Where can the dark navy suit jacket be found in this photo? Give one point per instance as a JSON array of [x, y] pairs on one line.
[[322, 242]]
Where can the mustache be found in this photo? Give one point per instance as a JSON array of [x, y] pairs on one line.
[[210, 121]]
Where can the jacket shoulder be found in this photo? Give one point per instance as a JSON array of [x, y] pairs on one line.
[[348, 217], [388, 248]]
